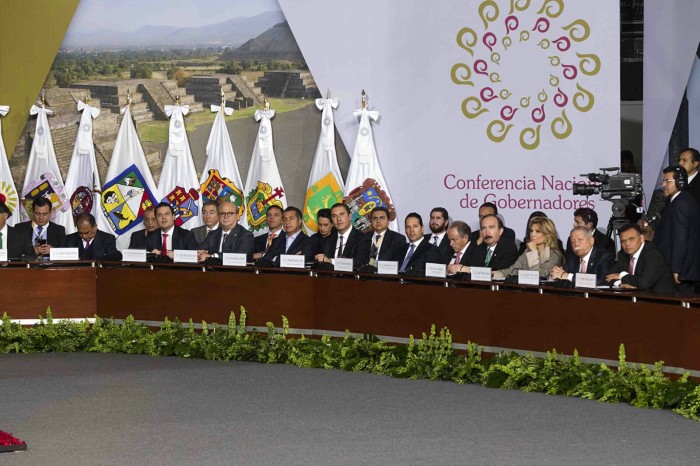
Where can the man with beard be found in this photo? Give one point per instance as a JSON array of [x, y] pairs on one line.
[[439, 221]]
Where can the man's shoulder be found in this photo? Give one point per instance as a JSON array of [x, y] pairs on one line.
[[505, 244], [56, 227]]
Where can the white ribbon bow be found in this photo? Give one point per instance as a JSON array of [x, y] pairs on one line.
[[327, 128], [4, 109], [184, 109], [177, 133], [228, 111], [94, 111]]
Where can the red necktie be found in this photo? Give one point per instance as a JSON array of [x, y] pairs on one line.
[[164, 247]]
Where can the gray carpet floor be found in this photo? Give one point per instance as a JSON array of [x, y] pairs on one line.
[[75, 409]]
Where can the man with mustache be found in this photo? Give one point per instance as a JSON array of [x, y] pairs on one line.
[[495, 251], [588, 257]]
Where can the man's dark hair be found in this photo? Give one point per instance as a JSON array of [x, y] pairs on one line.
[[210, 202], [165, 204], [679, 175], [588, 215], [492, 205], [694, 152], [627, 155], [41, 202], [500, 222], [442, 211], [462, 228], [340, 204], [630, 226], [85, 217], [380, 209], [4, 209], [415, 215], [296, 211], [275, 206], [324, 213]]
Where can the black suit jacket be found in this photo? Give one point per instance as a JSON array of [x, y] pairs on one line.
[[466, 257], [600, 263], [302, 244], [651, 272], [261, 241], [694, 188], [182, 239], [424, 253], [677, 237], [138, 240], [390, 248], [443, 246], [19, 246], [239, 240], [505, 255], [55, 234], [601, 241], [356, 248], [102, 247]]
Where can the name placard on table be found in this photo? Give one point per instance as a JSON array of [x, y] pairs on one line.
[[134, 255], [3, 255], [585, 280], [342, 264], [234, 259], [481, 274], [435, 270], [292, 261], [528, 277], [185, 256], [387, 267], [64, 254]]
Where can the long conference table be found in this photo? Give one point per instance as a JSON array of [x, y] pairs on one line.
[[496, 316]]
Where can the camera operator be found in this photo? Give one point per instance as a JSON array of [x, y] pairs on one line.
[[678, 233]]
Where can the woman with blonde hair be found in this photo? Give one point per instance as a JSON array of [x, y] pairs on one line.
[[542, 253]]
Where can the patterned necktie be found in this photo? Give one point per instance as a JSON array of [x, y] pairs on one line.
[[435, 240], [223, 241], [270, 237], [164, 247], [489, 253], [630, 269], [458, 257], [340, 248], [583, 266], [39, 231], [374, 249], [408, 257]]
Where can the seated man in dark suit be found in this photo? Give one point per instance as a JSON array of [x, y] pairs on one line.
[[588, 218], [273, 219], [168, 237], [419, 251], [325, 227], [459, 235], [229, 237], [41, 232], [439, 221], [92, 243], [210, 218], [345, 241], [589, 258], [489, 208], [640, 265], [294, 241], [495, 251], [19, 247], [138, 238], [384, 243]]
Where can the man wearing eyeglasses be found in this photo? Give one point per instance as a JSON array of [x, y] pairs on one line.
[[41, 231], [230, 237], [678, 234]]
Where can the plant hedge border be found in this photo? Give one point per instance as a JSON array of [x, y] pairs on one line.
[[432, 357]]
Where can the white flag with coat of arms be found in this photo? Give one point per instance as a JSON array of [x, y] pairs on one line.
[[8, 190]]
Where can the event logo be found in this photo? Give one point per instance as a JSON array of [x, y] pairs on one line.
[[48, 187], [527, 68], [219, 189], [259, 200], [321, 195], [125, 198], [184, 204], [363, 199]]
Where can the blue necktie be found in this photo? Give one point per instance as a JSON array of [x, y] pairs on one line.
[[408, 257]]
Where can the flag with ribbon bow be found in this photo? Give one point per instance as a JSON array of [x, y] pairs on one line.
[[325, 186]]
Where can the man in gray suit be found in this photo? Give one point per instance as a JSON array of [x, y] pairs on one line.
[[210, 217], [229, 237]]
